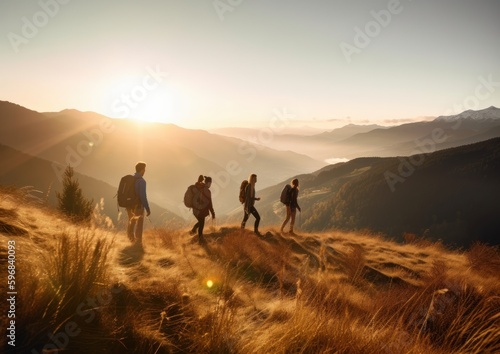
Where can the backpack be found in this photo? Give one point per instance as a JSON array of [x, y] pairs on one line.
[[189, 196], [286, 194], [243, 194], [126, 196]]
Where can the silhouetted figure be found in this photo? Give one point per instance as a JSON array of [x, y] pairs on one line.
[[136, 213], [249, 207], [202, 205], [292, 205]]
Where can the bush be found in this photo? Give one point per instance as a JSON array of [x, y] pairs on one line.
[[71, 200]]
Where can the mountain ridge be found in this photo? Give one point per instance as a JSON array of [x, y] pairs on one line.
[[448, 194], [107, 148], [491, 112]]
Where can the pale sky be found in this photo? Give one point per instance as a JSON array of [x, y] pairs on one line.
[[214, 63]]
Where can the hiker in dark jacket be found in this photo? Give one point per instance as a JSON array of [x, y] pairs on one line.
[[249, 207], [199, 185], [202, 205], [292, 206], [136, 213]]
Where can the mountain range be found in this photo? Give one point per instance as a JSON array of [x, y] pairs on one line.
[[449, 195], [107, 149], [435, 178], [352, 141]]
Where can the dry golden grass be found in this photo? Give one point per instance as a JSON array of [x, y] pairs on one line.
[[334, 292]]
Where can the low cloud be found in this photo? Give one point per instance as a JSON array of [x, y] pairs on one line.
[[407, 120]]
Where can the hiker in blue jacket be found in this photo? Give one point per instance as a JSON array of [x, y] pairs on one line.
[[249, 207], [136, 213], [292, 206]]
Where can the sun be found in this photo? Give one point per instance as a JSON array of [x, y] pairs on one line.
[[151, 102], [158, 106]]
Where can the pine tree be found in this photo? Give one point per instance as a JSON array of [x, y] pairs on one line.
[[71, 200]]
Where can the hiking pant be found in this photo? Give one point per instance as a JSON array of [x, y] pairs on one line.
[[199, 225], [290, 213], [135, 224], [255, 213]]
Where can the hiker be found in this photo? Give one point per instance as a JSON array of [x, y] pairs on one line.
[[136, 212], [203, 206], [292, 205], [249, 207]]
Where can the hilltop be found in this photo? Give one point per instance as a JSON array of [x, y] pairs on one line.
[[89, 290]]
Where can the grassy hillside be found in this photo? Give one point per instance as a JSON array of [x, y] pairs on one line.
[[90, 291]]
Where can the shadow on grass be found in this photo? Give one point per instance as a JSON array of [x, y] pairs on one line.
[[131, 255]]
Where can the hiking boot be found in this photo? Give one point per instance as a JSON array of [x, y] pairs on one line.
[[201, 240], [194, 230], [258, 233]]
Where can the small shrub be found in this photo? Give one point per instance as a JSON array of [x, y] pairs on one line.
[[71, 200]]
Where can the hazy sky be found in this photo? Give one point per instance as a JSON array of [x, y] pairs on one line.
[[206, 63]]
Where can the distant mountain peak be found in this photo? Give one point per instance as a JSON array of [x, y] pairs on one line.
[[490, 113]]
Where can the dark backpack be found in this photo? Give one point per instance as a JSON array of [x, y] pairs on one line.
[[127, 198], [286, 194], [192, 197], [189, 196], [243, 194]]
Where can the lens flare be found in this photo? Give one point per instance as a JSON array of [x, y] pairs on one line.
[[210, 283]]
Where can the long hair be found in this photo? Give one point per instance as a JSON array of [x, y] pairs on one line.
[[295, 183]]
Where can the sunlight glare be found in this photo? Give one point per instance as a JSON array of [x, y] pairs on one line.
[[158, 106], [154, 102]]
